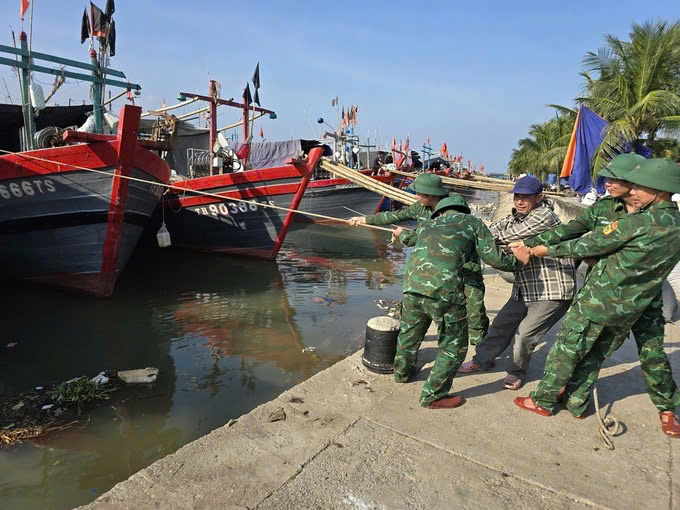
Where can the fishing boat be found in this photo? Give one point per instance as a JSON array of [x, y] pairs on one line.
[[70, 215], [217, 206]]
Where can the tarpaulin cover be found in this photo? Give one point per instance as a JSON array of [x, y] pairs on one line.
[[262, 154], [586, 137], [12, 121]]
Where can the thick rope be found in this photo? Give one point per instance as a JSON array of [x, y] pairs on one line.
[[175, 189], [607, 427]]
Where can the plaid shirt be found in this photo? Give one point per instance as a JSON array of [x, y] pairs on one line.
[[543, 279]]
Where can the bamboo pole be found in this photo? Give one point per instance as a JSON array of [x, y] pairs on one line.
[[465, 183], [368, 182]]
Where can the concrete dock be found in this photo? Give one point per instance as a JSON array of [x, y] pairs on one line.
[[352, 439]]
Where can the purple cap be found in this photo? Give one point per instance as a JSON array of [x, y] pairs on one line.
[[528, 185]]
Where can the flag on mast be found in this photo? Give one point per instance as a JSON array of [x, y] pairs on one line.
[[99, 22], [261, 134], [85, 27], [23, 7], [110, 9], [256, 77], [247, 98]]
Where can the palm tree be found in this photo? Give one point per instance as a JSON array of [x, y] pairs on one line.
[[635, 85], [544, 150]]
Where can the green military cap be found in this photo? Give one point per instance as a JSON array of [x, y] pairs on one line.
[[429, 184], [619, 166], [454, 201], [658, 173]]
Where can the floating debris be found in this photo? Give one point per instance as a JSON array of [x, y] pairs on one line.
[[140, 376], [100, 379], [309, 349], [393, 308]]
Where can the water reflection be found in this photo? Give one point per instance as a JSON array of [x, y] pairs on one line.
[[226, 333]]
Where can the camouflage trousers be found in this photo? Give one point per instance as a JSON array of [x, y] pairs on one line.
[[582, 346], [478, 322], [417, 314]]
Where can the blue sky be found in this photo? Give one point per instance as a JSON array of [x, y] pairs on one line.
[[473, 74]]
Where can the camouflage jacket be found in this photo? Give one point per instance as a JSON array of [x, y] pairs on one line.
[[598, 215], [435, 266], [419, 212], [415, 211], [636, 253]]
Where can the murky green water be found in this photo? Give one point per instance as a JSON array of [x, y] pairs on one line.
[[226, 333]]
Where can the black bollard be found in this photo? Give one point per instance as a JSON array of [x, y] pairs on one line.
[[381, 344]]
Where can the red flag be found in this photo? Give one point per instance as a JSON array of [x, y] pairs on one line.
[[407, 150], [400, 156], [444, 151], [261, 134], [394, 148], [428, 140], [23, 7]]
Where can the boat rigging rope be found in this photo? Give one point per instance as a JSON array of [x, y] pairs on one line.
[[607, 427], [170, 187]]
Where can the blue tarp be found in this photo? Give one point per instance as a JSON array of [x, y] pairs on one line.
[[589, 136]]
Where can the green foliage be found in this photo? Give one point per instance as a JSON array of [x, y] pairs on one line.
[[666, 148], [543, 151], [634, 85]]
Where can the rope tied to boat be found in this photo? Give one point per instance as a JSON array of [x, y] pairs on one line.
[[170, 187]]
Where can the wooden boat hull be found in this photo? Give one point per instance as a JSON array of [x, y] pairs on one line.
[[74, 228], [220, 224]]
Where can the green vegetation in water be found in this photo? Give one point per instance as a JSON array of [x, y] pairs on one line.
[[81, 390]]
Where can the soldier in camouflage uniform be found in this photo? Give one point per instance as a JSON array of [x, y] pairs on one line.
[[648, 331], [430, 190], [433, 291], [635, 252]]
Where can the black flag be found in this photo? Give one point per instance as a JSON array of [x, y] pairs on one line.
[[256, 78], [256, 99], [84, 27], [99, 23], [111, 38], [247, 98], [110, 9]]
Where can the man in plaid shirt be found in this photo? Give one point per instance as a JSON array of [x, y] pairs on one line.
[[541, 294]]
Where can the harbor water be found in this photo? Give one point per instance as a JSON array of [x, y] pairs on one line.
[[227, 334]]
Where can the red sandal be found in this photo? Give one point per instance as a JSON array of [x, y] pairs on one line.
[[669, 423], [528, 404]]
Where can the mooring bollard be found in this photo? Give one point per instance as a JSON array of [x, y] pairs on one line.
[[381, 344]]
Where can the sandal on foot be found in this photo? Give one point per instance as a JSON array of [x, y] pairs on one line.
[[669, 423], [528, 404], [469, 367], [512, 382], [448, 402]]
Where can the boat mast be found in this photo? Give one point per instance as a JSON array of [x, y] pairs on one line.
[[214, 101], [24, 75]]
